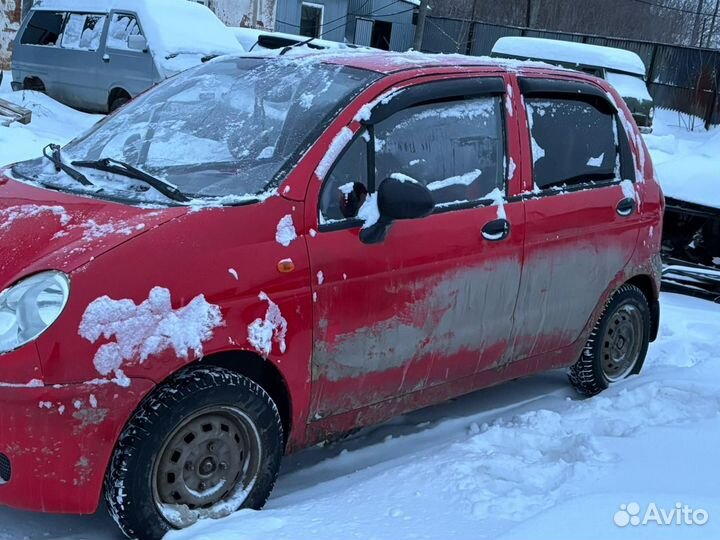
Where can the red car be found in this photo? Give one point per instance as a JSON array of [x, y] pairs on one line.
[[263, 253]]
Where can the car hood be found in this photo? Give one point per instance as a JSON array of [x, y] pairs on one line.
[[42, 229]]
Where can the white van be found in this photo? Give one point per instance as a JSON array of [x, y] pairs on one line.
[[96, 55]]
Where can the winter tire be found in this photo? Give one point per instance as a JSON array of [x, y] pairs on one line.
[[617, 345], [203, 445]]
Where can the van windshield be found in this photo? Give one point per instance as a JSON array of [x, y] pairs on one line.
[[224, 129]]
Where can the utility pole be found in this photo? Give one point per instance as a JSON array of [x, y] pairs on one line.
[[528, 14], [696, 26], [420, 29]]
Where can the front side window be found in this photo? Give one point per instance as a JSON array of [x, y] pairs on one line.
[[311, 19], [227, 128], [122, 26], [44, 28], [573, 142], [346, 187], [455, 149], [83, 31]]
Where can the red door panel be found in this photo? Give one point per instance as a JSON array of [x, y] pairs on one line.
[[433, 303]]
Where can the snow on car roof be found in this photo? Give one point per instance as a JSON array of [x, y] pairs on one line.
[[391, 62], [170, 26], [570, 52]]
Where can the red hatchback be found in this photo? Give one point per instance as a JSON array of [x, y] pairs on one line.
[[263, 253]]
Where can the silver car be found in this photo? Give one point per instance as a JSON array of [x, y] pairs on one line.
[[96, 55]]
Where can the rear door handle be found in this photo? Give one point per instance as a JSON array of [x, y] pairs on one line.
[[106, 58], [626, 207], [496, 230]]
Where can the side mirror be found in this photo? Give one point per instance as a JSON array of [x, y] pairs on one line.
[[137, 43], [399, 198], [404, 198]]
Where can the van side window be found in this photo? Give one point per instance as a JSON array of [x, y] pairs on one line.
[[44, 28], [122, 27], [456, 149], [83, 32], [573, 142], [346, 186]]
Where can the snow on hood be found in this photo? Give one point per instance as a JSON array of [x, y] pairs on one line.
[[173, 28], [570, 53], [41, 229]]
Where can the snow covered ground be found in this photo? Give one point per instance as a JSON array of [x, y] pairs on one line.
[[528, 459], [687, 161]]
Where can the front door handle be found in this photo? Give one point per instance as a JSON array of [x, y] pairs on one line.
[[626, 207], [496, 230]]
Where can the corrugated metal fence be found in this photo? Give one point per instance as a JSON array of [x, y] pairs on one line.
[[684, 79]]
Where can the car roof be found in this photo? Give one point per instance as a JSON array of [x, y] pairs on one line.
[[387, 63]]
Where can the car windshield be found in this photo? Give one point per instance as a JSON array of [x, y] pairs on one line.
[[225, 129]]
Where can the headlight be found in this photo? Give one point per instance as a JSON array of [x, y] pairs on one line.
[[651, 114], [29, 307]]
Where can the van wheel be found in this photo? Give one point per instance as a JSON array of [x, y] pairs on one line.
[[617, 345], [205, 444], [118, 102]]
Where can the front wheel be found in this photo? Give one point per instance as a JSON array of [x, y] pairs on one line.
[[617, 345], [205, 444]]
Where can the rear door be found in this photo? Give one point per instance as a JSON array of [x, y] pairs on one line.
[[581, 208], [434, 301]]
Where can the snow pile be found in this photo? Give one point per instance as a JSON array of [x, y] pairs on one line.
[[686, 162], [569, 52], [144, 330], [262, 332], [26, 211], [51, 123], [286, 233]]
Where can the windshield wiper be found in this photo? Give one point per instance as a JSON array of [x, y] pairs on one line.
[[52, 152], [114, 166]]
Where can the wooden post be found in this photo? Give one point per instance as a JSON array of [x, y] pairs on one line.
[[420, 30]]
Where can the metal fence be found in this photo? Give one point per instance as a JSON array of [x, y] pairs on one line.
[[684, 79]]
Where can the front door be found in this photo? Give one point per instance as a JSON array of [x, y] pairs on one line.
[[123, 68], [582, 216], [434, 301]]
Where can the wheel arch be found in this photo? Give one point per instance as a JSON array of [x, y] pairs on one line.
[[33, 82], [117, 92]]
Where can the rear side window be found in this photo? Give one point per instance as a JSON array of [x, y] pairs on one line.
[[573, 142], [121, 28], [44, 28], [456, 149], [83, 31]]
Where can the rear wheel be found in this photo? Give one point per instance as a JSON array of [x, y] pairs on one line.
[[33, 83], [117, 100], [204, 445], [617, 345]]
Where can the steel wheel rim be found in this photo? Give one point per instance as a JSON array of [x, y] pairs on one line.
[[207, 466], [622, 343]]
